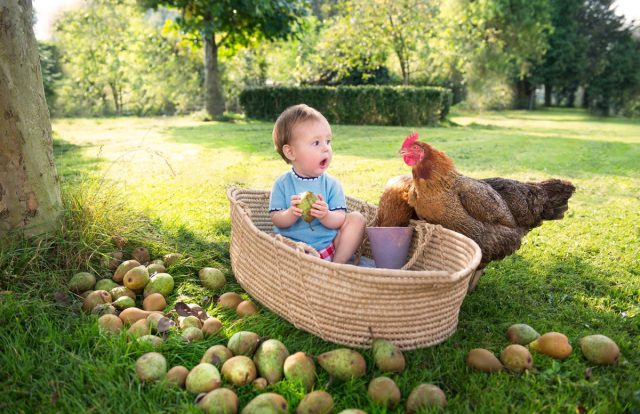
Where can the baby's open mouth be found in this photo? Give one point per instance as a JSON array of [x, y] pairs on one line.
[[323, 163]]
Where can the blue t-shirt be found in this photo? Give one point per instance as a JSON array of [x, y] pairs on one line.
[[290, 183]]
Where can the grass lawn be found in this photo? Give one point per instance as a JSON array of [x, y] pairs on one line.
[[160, 182]]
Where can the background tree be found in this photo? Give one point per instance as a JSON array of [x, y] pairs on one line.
[[29, 191], [230, 24]]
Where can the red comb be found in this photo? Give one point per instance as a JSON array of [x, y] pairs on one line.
[[409, 140]]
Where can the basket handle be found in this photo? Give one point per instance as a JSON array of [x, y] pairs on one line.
[[425, 232]]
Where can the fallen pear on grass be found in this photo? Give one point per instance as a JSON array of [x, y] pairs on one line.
[[120, 291], [154, 268], [211, 278], [141, 254], [124, 302], [189, 321], [81, 282], [260, 383], [211, 326], [171, 258], [139, 328], [177, 375], [217, 355], [154, 302], [219, 401], [161, 283], [136, 279], [106, 284], [229, 300], [599, 349], [246, 308], [151, 366], [109, 323], [192, 334], [343, 363], [553, 344], [300, 367], [123, 268], [387, 356], [384, 391], [103, 309], [316, 402], [521, 334], [243, 343], [203, 377], [95, 298], [483, 360], [152, 340], [424, 396], [267, 403], [516, 358], [130, 315], [269, 359], [239, 370], [112, 260]]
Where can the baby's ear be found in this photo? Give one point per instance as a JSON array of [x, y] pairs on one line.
[[288, 152]]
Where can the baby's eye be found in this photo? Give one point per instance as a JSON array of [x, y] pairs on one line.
[[328, 142], [316, 143]]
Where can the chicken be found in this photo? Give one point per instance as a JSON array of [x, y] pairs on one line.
[[495, 212]]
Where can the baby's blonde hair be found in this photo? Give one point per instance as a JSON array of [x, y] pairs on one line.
[[283, 128]]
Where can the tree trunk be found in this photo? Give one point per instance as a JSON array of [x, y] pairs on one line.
[[214, 99], [30, 199], [525, 94], [548, 90]]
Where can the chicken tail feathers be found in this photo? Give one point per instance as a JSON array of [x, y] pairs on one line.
[[558, 193]]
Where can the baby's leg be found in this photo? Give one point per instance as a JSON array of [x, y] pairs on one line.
[[349, 237]]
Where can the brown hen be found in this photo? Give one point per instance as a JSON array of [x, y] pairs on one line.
[[495, 212]]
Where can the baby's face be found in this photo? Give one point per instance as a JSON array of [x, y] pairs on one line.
[[311, 147]]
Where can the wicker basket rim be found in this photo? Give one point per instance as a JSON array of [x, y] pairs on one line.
[[366, 271]]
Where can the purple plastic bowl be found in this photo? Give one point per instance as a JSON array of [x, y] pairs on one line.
[[390, 245]]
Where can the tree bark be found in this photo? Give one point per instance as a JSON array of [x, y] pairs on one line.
[[525, 94], [30, 201], [214, 99]]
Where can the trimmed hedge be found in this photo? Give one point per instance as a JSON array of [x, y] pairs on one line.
[[359, 105]]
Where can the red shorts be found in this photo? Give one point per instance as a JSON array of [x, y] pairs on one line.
[[327, 252]]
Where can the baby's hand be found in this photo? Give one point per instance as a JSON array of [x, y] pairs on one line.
[[295, 200], [319, 209]]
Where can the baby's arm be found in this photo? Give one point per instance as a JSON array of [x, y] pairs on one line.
[[286, 218]]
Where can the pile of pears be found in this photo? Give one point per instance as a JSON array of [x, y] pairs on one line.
[[597, 349], [248, 359]]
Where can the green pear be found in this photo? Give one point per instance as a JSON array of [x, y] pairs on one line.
[[219, 401], [106, 284], [156, 268], [177, 375], [343, 363], [269, 360], [141, 254], [599, 349], [243, 343], [120, 291], [384, 391], [139, 328], [424, 396], [211, 278], [483, 360], [316, 402], [81, 282], [267, 403], [239, 370], [103, 309], [171, 258], [151, 367], [306, 202], [387, 356], [300, 367], [124, 302], [161, 283], [521, 334], [203, 377], [260, 383], [123, 268], [152, 340], [217, 355], [192, 334], [95, 298], [516, 357], [188, 321]]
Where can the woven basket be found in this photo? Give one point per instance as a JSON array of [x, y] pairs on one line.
[[414, 307]]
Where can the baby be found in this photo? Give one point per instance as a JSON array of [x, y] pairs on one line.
[[302, 137]]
